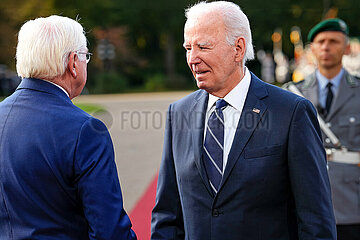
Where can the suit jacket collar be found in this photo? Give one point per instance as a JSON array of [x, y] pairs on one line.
[[42, 86], [345, 92], [253, 104]]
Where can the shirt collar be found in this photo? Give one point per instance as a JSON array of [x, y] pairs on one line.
[[323, 81], [236, 97]]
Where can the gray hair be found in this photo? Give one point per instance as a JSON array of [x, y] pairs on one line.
[[44, 45], [236, 22]]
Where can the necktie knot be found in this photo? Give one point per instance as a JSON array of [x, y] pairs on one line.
[[221, 103], [329, 85]]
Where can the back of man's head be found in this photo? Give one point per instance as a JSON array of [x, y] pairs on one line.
[[236, 22], [44, 45]]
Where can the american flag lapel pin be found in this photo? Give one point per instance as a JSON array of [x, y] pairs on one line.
[[255, 110]]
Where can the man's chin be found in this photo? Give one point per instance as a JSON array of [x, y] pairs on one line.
[[328, 65], [201, 84]]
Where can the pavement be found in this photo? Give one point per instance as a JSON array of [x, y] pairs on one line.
[[136, 123]]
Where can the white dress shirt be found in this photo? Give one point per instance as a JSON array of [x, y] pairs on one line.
[[236, 99]]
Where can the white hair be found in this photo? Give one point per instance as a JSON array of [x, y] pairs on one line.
[[44, 45], [236, 22]]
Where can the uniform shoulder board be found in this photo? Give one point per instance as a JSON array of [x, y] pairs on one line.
[[300, 82], [287, 84], [353, 81]]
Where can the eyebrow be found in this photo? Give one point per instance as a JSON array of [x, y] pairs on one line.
[[201, 44], [204, 44]]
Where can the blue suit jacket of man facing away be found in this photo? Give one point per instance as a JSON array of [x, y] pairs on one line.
[[58, 177]]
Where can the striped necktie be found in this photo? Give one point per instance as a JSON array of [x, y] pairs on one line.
[[214, 145]]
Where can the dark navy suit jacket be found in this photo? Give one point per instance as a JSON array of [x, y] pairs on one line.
[[58, 178], [275, 185]]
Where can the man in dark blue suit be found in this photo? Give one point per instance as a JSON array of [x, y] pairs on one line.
[[242, 159], [58, 178]]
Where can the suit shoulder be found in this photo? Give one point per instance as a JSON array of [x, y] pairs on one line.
[[69, 113], [189, 99], [87, 119], [280, 91], [76, 112], [283, 96], [352, 80], [274, 95]]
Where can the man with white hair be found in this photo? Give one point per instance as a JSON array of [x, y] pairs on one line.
[[242, 159], [58, 178]]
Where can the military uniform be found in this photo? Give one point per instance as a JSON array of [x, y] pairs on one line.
[[344, 121], [340, 120]]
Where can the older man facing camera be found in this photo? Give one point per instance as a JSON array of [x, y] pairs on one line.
[[242, 159], [58, 178]]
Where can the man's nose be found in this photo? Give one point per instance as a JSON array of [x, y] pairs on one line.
[[325, 45], [193, 57]]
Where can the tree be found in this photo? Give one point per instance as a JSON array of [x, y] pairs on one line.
[[149, 34]]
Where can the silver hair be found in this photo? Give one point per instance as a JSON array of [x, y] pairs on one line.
[[236, 22], [44, 45]]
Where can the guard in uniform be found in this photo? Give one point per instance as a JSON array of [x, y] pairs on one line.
[[336, 95]]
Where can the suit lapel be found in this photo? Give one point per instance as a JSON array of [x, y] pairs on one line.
[[197, 119], [343, 95], [252, 112], [310, 89]]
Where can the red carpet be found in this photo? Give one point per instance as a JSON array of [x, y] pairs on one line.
[[141, 214]]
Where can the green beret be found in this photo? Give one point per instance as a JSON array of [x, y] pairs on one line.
[[333, 24]]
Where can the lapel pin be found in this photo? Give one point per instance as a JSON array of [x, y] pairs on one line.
[[255, 110]]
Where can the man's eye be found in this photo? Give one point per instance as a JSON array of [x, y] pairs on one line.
[[203, 48]]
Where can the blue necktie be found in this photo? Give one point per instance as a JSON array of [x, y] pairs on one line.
[[329, 97], [214, 145]]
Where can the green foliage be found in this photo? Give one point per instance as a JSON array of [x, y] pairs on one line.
[[155, 83], [109, 82], [150, 56], [90, 108]]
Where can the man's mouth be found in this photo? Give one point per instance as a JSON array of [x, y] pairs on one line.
[[200, 72], [325, 57]]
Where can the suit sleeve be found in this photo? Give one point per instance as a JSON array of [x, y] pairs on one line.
[[308, 174], [98, 184], [167, 219]]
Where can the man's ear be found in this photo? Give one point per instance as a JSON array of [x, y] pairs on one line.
[[347, 49], [240, 48], [312, 47], [72, 65]]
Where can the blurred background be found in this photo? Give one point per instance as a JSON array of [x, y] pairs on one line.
[[139, 67], [137, 44]]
